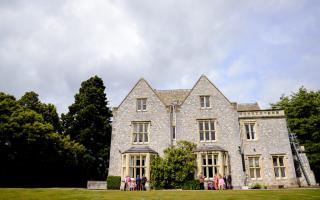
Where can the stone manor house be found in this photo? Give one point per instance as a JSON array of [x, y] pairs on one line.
[[242, 140]]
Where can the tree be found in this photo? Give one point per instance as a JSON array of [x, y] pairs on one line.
[[303, 116], [88, 122], [177, 166]]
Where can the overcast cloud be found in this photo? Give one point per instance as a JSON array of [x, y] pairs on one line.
[[251, 50]]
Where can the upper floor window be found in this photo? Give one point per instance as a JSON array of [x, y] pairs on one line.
[[205, 101], [142, 104], [279, 166], [207, 130], [250, 131], [254, 167], [140, 132]]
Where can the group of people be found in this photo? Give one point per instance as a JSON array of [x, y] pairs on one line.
[[132, 184], [217, 183]]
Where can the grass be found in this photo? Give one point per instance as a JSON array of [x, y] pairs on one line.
[[72, 193]]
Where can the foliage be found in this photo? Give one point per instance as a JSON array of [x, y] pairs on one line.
[[256, 186], [30, 145], [303, 116], [177, 166], [113, 182], [191, 185], [88, 122]]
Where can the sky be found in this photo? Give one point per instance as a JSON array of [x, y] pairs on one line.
[[253, 51]]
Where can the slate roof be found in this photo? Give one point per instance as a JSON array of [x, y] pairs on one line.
[[140, 149], [248, 106], [168, 97], [209, 148]]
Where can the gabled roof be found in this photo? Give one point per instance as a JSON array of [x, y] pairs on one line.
[[170, 97], [205, 77], [248, 106]]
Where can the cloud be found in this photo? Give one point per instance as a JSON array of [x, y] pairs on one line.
[[252, 50]]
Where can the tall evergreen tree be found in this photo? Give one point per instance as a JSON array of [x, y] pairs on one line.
[[303, 116], [88, 122]]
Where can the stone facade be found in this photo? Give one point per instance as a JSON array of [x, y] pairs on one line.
[[219, 128]]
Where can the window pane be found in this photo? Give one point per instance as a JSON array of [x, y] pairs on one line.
[[138, 172], [143, 171], [215, 161], [135, 127], [143, 160], [250, 162], [140, 128], [140, 137], [256, 162], [283, 172], [212, 125], [206, 126], [215, 170], [252, 173], [247, 131], [146, 137], [281, 161], [275, 163], [209, 159], [135, 137], [213, 137], [132, 172], [210, 172], [138, 161], [201, 136], [204, 160], [258, 173], [207, 101], [139, 104], [253, 135], [201, 126], [202, 101], [204, 170], [146, 127], [207, 136], [276, 172]]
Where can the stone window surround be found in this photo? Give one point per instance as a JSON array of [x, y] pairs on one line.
[[141, 104], [209, 130], [254, 167], [133, 132], [223, 162], [125, 169], [244, 132], [206, 99], [279, 166]]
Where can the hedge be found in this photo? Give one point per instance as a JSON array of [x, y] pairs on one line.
[[113, 182]]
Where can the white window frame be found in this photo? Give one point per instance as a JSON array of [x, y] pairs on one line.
[[205, 101], [214, 166], [278, 168], [140, 130], [207, 132], [142, 104], [255, 166], [250, 133], [134, 166]]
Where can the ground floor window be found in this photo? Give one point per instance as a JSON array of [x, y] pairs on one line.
[[254, 167], [210, 165], [279, 166], [137, 165]]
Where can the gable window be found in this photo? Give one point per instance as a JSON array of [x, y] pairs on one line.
[[254, 167], [173, 132], [137, 165], [250, 131], [140, 132], [142, 104], [207, 130], [209, 164], [205, 101], [279, 167]]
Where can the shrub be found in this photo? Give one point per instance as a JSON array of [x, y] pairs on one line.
[[113, 182], [191, 185], [256, 186]]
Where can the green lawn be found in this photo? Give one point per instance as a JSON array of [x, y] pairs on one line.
[[70, 193]]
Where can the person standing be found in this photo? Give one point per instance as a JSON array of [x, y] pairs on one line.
[[143, 182], [201, 180], [216, 182], [221, 183], [138, 182]]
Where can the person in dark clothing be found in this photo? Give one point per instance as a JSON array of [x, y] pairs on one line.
[[138, 182], [143, 182], [201, 180]]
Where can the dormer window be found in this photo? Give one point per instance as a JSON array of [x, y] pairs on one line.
[[205, 102], [142, 104]]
